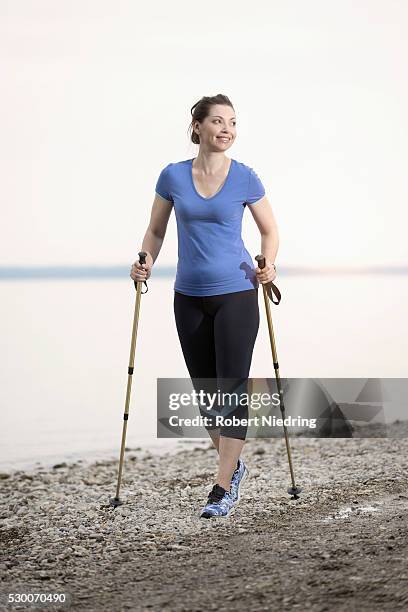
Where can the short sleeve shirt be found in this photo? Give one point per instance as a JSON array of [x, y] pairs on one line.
[[212, 257]]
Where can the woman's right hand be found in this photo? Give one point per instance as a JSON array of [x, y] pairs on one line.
[[141, 272]]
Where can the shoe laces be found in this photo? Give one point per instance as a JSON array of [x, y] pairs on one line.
[[216, 493]]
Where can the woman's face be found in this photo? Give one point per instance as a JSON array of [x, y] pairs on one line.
[[218, 130]]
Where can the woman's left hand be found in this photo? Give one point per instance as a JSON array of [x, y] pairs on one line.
[[267, 274]]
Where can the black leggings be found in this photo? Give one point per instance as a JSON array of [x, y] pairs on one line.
[[217, 336]]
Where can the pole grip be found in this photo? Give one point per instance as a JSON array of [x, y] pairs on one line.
[[270, 287], [261, 261], [142, 260]]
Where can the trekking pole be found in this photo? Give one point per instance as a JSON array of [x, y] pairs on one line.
[[115, 501], [267, 292]]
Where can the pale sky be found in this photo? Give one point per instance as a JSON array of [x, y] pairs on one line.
[[96, 99]]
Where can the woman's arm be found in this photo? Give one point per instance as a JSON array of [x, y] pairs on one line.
[[266, 222], [153, 238], [156, 231]]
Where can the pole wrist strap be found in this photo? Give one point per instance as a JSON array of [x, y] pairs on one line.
[[271, 289]]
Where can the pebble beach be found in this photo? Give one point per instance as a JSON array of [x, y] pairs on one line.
[[342, 545]]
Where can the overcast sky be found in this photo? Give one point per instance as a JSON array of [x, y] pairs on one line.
[[96, 99]]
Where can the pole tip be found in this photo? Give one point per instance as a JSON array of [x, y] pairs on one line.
[[115, 501], [294, 491]]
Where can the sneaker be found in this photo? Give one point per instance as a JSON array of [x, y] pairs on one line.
[[237, 479], [220, 503]]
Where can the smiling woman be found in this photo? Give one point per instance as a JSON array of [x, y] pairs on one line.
[[213, 121], [216, 286]]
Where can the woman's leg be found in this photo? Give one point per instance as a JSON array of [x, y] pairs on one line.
[[195, 328], [236, 325]]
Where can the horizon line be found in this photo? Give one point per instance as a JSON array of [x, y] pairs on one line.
[[122, 271]]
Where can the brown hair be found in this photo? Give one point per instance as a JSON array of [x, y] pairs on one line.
[[201, 110]]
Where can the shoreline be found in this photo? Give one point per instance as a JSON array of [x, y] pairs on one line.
[[159, 446], [46, 462]]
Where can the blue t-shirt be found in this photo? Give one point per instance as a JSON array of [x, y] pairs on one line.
[[212, 258]]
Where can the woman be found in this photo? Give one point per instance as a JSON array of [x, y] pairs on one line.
[[216, 288]]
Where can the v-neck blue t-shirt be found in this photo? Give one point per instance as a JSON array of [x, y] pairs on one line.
[[212, 258]]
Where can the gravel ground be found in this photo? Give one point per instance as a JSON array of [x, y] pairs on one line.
[[342, 546]]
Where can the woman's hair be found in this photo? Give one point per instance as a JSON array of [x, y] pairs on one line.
[[201, 110]]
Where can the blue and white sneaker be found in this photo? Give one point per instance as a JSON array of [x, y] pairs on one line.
[[220, 503], [237, 479]]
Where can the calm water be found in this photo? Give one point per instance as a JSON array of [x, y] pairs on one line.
[[66, 347]]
